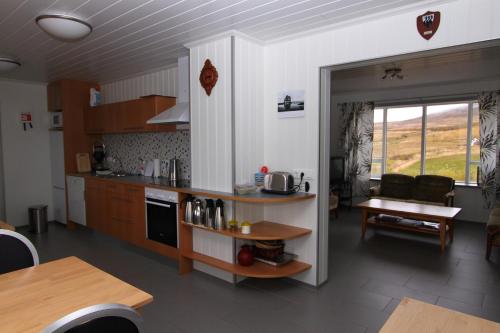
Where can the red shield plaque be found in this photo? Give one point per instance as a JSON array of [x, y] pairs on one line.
[[428, 23]]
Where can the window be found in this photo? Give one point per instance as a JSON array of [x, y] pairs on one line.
[[439, 139]]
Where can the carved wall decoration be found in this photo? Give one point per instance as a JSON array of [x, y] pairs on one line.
[[208, 77]]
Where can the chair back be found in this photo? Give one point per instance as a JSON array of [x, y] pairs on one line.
[[101, 318], [432, 188], [17, 252], [394, 185]]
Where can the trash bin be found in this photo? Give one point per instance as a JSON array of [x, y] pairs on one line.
[[38, 218]]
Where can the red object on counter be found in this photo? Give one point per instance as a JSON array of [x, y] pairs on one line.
[[245, 256], [264, 169]]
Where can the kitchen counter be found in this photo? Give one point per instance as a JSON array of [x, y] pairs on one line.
[[184, 187]]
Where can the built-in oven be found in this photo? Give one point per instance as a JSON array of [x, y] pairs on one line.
[[161, 216]]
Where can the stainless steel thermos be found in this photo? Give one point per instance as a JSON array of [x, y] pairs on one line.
[[188, 217], [220, 222], [197, 212], [209, 220]]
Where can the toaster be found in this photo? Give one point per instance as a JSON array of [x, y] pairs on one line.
[[279, 182]]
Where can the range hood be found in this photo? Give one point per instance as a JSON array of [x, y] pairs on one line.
[[179, 113]]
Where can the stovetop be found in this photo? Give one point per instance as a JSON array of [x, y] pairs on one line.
[[165, 182]]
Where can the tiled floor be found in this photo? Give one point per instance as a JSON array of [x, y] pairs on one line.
[[367, 280]]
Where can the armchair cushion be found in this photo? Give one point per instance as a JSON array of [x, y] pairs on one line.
[[397, 186], [375, 191], [433, 188]]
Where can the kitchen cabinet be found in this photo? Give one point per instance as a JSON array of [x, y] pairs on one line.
[[54, 96], [116, 209], [129, 116], [95, 202]]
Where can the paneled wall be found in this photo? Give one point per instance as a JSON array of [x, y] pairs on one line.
[[211, 142], [294, 64], [249, 122], [162, 82]]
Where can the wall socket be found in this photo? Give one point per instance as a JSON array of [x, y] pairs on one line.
[[307, 177]]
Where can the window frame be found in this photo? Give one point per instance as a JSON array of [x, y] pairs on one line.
[[423, 144]]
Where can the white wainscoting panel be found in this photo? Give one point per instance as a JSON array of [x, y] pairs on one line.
[[211, 142], [161, 82]]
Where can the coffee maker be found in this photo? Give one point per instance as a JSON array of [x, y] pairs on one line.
[[99, 159]]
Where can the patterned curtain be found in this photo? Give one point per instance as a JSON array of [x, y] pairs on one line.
[[357, 140], [489, 122]]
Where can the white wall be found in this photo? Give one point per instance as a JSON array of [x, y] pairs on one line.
[[26, 155], [294, 64], [211, 142], [161, 82]]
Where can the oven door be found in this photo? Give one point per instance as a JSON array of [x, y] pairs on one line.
[[161, 220]]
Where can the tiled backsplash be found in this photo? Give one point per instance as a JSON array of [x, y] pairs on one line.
[[129, 148]]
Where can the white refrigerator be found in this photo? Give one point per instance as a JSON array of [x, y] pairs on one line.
[[58, 176]]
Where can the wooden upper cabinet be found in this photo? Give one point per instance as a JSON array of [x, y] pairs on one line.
[[127, 117], [54, 96]]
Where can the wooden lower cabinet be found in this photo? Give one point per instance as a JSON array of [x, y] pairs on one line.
[[116, 209]]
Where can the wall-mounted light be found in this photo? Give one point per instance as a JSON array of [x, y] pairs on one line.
[[8, 64], [64, 27]]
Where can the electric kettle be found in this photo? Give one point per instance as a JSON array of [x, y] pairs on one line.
[[173, 170]]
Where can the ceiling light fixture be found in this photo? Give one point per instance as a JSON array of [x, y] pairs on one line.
[[392, 73], [64, 27], [8, 64]]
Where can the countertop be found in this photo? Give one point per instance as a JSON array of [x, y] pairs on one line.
[[184, 187]]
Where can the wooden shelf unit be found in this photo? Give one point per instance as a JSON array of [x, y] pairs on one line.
[[256, 270], [263, 230]]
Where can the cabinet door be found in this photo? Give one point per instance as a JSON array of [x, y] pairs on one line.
[[54, 96], [93, 119], [95, 202], [133, 115]]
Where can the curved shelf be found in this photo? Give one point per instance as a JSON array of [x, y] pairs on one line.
[[259, 197], [263, 230], [257, 270]]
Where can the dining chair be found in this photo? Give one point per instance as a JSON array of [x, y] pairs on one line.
[[17, 252], [101, 318]]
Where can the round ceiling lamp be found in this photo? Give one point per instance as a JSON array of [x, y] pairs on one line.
[[8, 64], [64, 27]]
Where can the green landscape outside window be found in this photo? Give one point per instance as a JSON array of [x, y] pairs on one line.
[[438, 139]]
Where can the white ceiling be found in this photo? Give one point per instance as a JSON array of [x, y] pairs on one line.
[[481, 64], [135, 36]]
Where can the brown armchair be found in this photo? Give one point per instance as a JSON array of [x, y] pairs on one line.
[[493, 230]]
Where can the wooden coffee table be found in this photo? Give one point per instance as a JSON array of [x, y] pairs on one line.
[[430, 213]]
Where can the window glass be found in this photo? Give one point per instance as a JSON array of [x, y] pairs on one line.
[[474, 144], [378, 141], [404, 140], [446, 140]]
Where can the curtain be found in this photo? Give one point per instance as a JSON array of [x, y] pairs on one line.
[[489, 122], [357, 141]]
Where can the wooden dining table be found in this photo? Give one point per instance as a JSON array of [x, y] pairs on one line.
[[32, 298]]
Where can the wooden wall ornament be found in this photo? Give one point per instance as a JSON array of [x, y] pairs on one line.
[[208, 76], [428, 24]]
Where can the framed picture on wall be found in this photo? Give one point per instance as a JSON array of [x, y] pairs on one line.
[[291, 103]]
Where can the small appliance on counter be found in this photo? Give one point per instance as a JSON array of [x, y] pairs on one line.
[[279, 182], [99, 159]]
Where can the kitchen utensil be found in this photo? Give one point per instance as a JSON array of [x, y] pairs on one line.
[[209, 220], [220, 222], [245, 256], [173, 169], [83, 162], [188, 216], [197, 212]]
